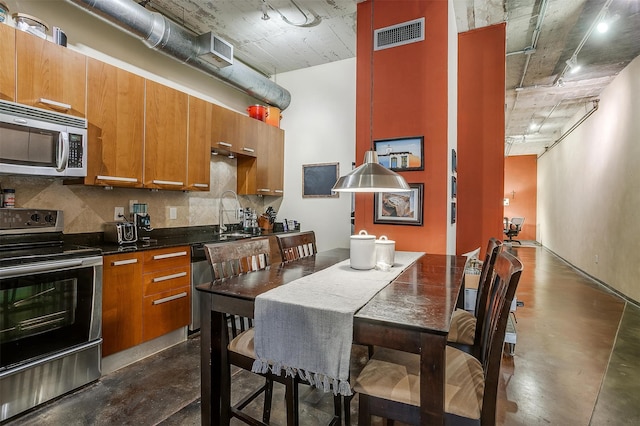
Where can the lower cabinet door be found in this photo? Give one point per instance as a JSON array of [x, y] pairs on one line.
[[165, 312]]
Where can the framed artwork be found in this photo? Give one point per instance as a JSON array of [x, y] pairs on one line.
[[454, 187], [401, 155], [454, 161], [453, 213], [318, 179], [399, 208]]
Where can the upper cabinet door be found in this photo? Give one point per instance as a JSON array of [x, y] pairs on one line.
[[232, 132], [115, 111], [165, 148], [8, 68], [50, 76], [199, 150]]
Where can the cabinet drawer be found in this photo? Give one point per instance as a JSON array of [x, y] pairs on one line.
[[166, 279], [173, 257], [165, 312]]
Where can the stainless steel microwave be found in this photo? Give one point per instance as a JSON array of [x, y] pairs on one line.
[[38, 142]]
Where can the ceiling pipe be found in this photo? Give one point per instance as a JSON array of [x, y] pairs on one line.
[[593, 26], [534, 39], [164, 35], [594, 104]]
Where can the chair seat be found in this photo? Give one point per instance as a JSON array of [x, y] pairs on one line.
[[243, 343], [395, 376], [463, 327]]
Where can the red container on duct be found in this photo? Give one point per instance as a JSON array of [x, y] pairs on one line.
[[258, 112]]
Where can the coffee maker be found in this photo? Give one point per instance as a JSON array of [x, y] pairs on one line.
[[141, 218], [250, 221]]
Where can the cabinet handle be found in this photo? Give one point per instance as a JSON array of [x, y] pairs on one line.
[[264, 190], [124, 262], [117, 178], [169, 277], [170, 298], [248, 149], [279, 191], [168, 255], [167, 182], [201, 185], [51, 103], [228, 145]]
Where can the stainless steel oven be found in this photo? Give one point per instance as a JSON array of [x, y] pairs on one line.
[[50, 311]]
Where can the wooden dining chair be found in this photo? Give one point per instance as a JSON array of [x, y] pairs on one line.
[[240, 257], [463, 331], [389, 385], [295, 246], [228, 260]]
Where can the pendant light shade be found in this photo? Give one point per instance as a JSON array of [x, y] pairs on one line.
[[371, 177]]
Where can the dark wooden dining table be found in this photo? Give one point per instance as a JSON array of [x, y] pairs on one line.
[[412, 313]]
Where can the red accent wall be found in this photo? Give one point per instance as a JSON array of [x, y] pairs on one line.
[[481, 79], [521, 178], [409, 99]]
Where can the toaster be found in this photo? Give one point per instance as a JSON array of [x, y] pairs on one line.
[[120, 232]]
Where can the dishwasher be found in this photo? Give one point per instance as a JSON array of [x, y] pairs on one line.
[[200, 274]]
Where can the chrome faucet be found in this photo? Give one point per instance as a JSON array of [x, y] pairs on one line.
[[221, 209]]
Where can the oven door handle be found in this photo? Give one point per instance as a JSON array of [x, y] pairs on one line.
[[36, 268]]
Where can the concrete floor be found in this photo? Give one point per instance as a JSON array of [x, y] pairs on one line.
[[577, 362]]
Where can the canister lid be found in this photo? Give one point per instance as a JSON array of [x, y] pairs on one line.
[[362, 235], [383, 240]]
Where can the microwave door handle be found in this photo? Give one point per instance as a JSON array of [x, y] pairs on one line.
[[63, 151]]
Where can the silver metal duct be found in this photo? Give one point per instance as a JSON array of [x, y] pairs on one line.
[[164, 35]]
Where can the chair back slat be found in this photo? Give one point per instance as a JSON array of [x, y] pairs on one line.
[[295, 246], [506, 276], [494, 247], [236, 258]]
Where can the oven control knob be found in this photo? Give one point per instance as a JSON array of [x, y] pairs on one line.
[[49, 218], [35, 217]]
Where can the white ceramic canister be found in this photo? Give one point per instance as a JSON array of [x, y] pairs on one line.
[[385, 253], [363, 251]]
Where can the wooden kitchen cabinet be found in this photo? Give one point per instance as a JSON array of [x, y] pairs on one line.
[[121, 302], [50, 76], [167, 291], [8, 68], [165, 146], [232, 132], [115, 113], [199, 148], [264, 175], [144, 295]]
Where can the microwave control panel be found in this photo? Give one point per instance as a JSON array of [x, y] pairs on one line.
[[75, 151]]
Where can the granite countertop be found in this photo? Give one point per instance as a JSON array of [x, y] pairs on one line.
[[159, 238]]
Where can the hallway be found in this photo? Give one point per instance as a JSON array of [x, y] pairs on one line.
[[577, 362]]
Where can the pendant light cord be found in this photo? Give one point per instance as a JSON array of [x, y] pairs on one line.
[[371, 83]]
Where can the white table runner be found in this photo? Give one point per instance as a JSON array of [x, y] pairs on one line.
[[306, 326]]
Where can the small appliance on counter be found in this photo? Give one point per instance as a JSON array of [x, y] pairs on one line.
[[120, 232], [250, 221]]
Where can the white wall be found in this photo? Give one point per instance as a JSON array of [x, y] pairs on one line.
[[589, 189], [319, 127]]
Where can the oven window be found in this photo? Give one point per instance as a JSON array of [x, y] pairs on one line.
[[44, 313]]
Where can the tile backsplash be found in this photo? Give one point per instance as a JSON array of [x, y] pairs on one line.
[[87, 208]]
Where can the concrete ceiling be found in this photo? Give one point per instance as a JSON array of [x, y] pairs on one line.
[[543, 98]]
